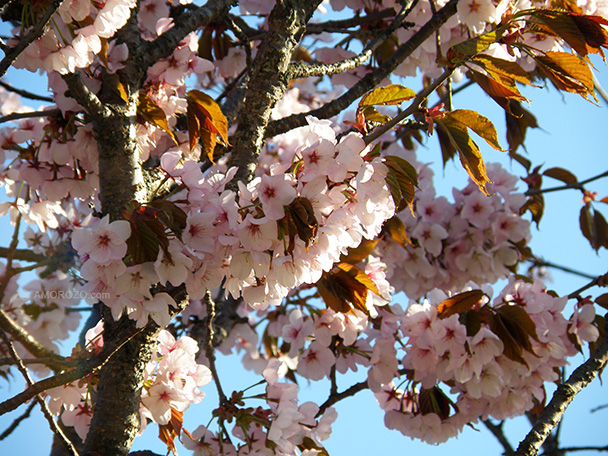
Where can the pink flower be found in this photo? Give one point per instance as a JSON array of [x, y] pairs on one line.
[[103, 243], [316, 361], [274, 193]]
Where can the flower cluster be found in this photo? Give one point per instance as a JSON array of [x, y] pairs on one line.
[[475, 238]]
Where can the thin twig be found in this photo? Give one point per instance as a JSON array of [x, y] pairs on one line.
[[30, 114], [412, 108], [563, 396], [209, 349], [36, 32], [575, 185], [583, 448], [497, 431], [43, 405], [599, 89], [537, 262], [333, 399], [9, 430], [304, 70], [595, 282], [25, 93]]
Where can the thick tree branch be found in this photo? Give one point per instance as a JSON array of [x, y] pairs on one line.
[[35, 32], [370, 80], [563, 396], [269, 79]]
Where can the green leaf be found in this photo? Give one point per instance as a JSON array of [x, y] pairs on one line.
[[387, 95]]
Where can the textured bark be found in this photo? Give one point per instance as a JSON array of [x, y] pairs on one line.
[[372, 79], [268, 81], [116, 422], [563, 396]]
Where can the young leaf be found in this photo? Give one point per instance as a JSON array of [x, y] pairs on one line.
[[387, 95], [461, 52], [468, 151], [359, 253], [478, 123], [205, 121], [395, 228], [460, 303], [536, 206], [518, 120], [150, 112], [401, 179], [358, 275], [567, 72], [301, 220], [497, 90]]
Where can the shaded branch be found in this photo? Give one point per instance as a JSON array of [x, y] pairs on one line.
[[22, 255], [164, 45], [35, 32], [210, 349], [496, 430], [30, 114], [344, 24], [563, 396], [9, 430], [337, 397], [81, 370], [25, 93], [370, 80], [84, 96], [304, 70], [43, 405], [575, 185]]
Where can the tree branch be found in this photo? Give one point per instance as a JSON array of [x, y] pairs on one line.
[[496, 430], [269, 79], [412, 108], [45, 409], [30, 114], [303, 70], [575, 185], [164, 45], [9, 430], [25, 93], [370, 80], [563, 396], [36, 32]]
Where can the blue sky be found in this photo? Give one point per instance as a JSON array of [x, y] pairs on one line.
[[573, 136]]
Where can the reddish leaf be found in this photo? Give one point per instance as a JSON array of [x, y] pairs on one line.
[[150, 112], [594, 227], [435, 401], [518, 120], [602, 300], [205, 120], [359, 253], [496, 89], [301, 221], [567, 72], [170, 431], [402, 179], [460, 303], [536, 206], [148, 234], [561, 174], [468, 151]]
